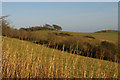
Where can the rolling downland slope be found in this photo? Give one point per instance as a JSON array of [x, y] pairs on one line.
[[108, 36]]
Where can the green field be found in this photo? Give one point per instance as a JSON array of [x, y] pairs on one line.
[[109, 36], [23, 59]]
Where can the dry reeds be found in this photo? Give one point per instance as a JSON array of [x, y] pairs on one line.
[[27, 60]]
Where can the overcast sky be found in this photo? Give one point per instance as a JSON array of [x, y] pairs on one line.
[[71, 16]]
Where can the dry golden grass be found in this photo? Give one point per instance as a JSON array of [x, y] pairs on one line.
[[22, 59]]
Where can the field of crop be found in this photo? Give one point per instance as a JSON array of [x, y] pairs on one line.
[[23, 59]]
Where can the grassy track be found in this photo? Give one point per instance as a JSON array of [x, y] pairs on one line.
[[24, 59]]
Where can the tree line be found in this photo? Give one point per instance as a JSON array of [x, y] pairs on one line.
[[44, 27]]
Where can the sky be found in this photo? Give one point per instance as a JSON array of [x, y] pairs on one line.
[[71, 16]]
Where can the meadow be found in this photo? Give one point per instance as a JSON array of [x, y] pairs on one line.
[[24, 59], [110, 36]]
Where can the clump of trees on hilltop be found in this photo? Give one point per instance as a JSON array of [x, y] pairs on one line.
[[44, 27]]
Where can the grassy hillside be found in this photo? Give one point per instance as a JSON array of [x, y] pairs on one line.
[[110, 36], [24, 59]]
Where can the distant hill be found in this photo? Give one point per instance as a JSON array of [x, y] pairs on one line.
[[106, 31]]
